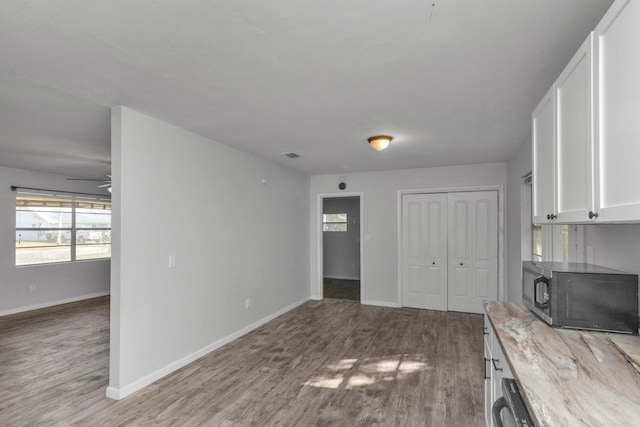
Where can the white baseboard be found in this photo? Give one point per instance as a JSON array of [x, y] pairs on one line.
[[342, 277], [52, 303], [121, 393], [380, 303]]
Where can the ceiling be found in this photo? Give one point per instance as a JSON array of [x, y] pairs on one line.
[[453, 81]]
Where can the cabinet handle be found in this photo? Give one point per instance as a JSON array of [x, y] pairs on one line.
[[554, 216], [548, 216], [495, 366], [485, 331], [593, 215], [485, 369]]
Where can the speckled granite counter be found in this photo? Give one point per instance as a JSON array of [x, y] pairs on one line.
[[569, 377]]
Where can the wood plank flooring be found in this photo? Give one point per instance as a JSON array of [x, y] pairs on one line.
[[341, 289], [331, 362]]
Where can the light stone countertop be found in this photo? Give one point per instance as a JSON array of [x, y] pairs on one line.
[[569, 377]]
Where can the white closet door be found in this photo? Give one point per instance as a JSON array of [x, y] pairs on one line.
[[424, 251], [473, 250]]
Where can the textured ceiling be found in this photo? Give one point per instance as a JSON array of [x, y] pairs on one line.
[[454, 81]]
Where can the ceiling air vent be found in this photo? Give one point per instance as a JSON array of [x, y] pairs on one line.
[[291, 155]]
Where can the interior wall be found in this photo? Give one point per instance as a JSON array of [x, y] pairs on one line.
[[518, 166], [240, 246], [615, 245], [379, 270], [341, 250], [54, 283]]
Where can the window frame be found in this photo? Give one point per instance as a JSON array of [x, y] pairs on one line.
[[327, 225], [76, 202]]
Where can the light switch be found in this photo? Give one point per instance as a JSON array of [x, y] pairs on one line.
[[172, 261]]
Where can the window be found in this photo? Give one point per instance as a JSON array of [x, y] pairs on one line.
[[546, 242], [334, 222], [533, 232], [51, 228]]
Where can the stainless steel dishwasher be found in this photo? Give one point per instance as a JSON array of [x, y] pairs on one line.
[[510, 410]]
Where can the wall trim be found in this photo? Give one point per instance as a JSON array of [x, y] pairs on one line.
[[121, 393], [380, 303], [502, 230], [52, 303]]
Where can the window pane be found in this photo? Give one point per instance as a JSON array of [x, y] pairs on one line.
[[32, 238], [337, 217], [536, 242], [42, 212], [39, 247], [98, 216], [334, 227], [93, 250], [565, 243], [93, 236]]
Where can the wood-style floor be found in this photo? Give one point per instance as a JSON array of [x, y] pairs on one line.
[[331, 362], [341, 289]]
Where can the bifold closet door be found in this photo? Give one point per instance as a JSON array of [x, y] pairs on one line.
[[472, 250], [424, 251]]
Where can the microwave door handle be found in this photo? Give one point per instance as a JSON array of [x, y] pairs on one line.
[[536, 283]]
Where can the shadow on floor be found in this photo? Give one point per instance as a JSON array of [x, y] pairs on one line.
[[341, 289]]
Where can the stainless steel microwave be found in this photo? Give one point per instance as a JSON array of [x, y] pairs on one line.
[[581, 296]]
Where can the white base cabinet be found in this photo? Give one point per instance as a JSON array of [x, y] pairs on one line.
[[496, 368]]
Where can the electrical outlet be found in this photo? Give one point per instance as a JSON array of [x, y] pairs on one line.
[[247, 303], [33, 287], [172, 261]]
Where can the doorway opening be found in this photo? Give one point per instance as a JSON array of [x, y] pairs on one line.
[[340, 227]]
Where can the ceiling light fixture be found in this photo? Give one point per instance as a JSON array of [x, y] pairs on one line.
[[380, 142]]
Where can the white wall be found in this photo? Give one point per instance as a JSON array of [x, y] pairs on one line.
[[176, 193], [615, 245], [341, 250], [517, 167], [55, 283], [379, 271]]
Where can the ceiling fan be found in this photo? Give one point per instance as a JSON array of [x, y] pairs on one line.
[[106, 182]]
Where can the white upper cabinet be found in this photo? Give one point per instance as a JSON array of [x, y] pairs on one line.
[[562, 144], [573, 143], [587, 131], [617, 155], [543, 160]]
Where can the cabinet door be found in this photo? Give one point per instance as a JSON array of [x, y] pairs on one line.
[[543, 160], [488, 368], [574, 144], [618, 105], [499, 367]]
